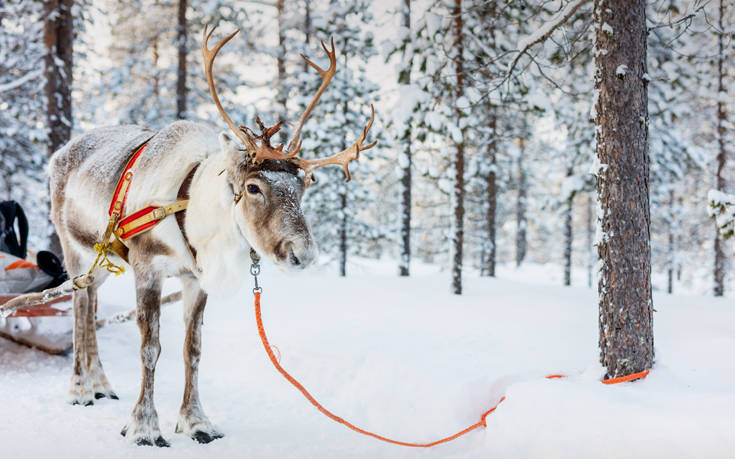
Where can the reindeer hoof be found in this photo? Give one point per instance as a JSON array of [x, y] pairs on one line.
[[110, 395], [162, 443], [204, 437]]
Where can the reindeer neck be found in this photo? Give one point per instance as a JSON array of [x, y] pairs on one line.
[[222, 250]]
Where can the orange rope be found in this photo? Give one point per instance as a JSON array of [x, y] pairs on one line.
[[481, 423]]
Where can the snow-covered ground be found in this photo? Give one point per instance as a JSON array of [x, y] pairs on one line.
[[401, 357]]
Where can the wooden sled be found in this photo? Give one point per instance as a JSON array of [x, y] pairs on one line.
[[47, 326]]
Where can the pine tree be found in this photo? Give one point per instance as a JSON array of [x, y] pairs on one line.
[[719, 270], [626, 311]]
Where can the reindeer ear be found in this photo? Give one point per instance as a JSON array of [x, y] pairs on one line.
[[229, 146]]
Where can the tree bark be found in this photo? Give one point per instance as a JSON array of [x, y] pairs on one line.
[[343, 233], [58, 63], [405, 79], [590, 240], [307, 28], [719, 268], [58, 70], [671, 256], [281, 88], [521, 205], [626, 307], [458, 201], [568, 236], [181, 89], [343, 207], [491, 189]]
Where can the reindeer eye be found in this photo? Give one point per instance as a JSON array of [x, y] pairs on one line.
[[253, 189]]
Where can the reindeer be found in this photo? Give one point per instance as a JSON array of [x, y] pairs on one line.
[[241, 196]]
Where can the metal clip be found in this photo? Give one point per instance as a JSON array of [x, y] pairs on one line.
[[255, 270]]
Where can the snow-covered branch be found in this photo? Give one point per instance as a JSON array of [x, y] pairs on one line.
[[544, 33], [21, 81]]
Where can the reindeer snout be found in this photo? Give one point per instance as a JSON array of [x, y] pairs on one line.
[[301, 254]]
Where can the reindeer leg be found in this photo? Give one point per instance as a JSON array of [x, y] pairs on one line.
[[80, 392], [143, 429], [100, 384], [192, 420]]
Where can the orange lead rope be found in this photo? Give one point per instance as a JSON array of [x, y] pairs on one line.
[[255, 270]]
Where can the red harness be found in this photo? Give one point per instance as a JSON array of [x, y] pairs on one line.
[[136, 223]]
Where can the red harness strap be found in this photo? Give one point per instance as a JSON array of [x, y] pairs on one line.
[[146, 218]]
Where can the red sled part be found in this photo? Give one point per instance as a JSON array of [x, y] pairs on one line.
[[40, 310]]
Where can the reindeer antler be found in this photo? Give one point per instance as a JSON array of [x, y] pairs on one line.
[[265, 151], [209, 56], [342, 158]]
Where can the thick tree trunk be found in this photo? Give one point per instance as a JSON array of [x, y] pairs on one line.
[[58, 63], [405, 79], [181, 90], [719, 269], [458, 198], [521, 205], [58, 69], [626, 316]]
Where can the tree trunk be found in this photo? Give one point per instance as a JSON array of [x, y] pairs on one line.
[[626, 316], [281, 88], [590, 240], [671, 256], [491, 189], [568, 236], [181, 74], [521, 205], [405, 79], [343, 233], [307, 29], [58, 67], [343, 208], [719, 270], [458, 201]]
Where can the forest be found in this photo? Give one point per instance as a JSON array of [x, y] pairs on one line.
[[585, 143]]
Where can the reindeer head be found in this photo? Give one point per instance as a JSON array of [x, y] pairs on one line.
[[266, 185]]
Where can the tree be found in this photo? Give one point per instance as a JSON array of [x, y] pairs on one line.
[[58, 37], [621, 121], [181, 89], [719, 268], [459, 141], [404, 79]]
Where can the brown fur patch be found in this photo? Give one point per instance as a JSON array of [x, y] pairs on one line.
[[150, 246], [82, 237]]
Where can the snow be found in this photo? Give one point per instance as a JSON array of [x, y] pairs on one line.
[[621, 70], [400, 356]]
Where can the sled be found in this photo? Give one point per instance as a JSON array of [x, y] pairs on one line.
[[47, 326]]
